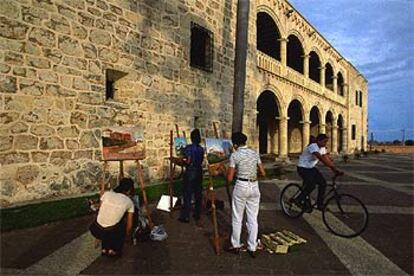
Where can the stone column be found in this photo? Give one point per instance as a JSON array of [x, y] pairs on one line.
[[322, 74], [334, 139], [306, 65], [322, 128], [335, 84], [345, 140], [345, 89], [283, 50], [283, 140], [306, 133]]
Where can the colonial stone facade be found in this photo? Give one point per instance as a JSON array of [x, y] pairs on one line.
[[57, 57]]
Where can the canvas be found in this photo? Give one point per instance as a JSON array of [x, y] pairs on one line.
[[218, 150], [123, 143], [179, 144]]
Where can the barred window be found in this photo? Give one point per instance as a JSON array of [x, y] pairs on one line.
[[201, 53]]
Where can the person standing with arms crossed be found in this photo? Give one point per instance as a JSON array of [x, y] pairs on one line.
[[244, 163]]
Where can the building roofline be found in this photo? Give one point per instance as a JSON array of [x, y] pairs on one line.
[[316, 30]]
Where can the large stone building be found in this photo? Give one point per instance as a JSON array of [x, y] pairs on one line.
[[68, 68]]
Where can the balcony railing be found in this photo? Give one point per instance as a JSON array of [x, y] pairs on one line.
[[268, 63], [273, 66]]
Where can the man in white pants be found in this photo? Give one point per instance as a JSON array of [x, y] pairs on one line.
[[246, 195]]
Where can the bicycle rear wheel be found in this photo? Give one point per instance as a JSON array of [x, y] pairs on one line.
[[288, 194], [345, 215]]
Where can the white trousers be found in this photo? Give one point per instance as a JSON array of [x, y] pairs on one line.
[[246, 195]]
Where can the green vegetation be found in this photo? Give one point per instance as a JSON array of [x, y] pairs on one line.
[[40, 213]]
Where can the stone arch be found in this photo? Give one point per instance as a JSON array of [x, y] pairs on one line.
[[329, 124], [316, 120], [329, 74], [268, 112], [340, 83], [295, 51], [273, 15], [340, 136], [314, 66], [267, 35], [299, 36], [295, 127]]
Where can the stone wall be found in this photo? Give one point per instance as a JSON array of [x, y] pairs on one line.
[[53, 57]]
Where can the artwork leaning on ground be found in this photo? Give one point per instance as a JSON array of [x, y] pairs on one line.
[[179, 144], [123, 143], [218, 150]]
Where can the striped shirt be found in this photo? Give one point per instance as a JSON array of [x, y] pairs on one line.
[[245, 160]]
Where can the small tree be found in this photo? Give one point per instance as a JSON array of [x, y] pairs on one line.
[[396, 142], [409, 143]]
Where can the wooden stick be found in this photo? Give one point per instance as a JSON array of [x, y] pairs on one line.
[[184, 135], [121, 170], [177, 130], [170, 184], [140, 177], [215, 130], [103, 177], [216, 237]]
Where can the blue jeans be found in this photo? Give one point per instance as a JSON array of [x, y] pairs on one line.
[[193, 178]]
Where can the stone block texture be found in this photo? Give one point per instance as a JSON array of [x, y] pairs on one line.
[[54, 55]]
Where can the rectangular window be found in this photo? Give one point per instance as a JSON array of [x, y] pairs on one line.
[[356, 97], [353, 132], [201, 52], [112, 79], [360, 98]]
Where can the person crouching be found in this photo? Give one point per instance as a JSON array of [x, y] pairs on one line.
[[115, 218]]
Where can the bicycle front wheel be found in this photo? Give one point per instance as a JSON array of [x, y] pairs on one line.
[[345, 215], [288, 194]]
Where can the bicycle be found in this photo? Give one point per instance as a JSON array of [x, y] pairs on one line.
[[343, 214]]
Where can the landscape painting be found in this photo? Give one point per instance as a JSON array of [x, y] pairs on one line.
[[123, 143], [179, 144], [218, 150]]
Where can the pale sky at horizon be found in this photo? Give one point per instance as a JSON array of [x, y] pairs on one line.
[[377, 37]]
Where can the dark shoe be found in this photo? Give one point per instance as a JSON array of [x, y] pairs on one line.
[[183, 220], [252, 253], [233, 250]]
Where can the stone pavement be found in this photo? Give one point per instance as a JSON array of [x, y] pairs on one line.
[[383, 182]]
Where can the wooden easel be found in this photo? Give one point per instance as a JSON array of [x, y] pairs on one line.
[[140, 180], [173, 162], [212, 196]]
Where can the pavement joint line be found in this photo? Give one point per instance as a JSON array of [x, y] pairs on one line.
[[70, 259], [357, 255], [343, 183], [381, 183], [381, 166]]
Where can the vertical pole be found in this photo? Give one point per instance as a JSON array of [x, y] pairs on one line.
[[170, 184], [140, 179], [121, 170], [216, 237], [103, 177], [177, 130], [242, 26]]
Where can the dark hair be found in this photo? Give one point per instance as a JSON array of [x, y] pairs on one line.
[[238, 138], [321, 137], [125, 185], [195, 136]]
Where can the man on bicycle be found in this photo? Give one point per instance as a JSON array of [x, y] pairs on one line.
[[311, 176]]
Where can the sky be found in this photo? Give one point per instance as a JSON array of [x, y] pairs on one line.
[[377, 37]]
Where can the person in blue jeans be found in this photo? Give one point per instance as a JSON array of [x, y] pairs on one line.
[[193, 178]]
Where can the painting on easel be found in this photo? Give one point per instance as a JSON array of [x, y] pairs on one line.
[[218, 150], [179, 144], [123, 143]]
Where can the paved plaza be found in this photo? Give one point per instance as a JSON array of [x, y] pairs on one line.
[[384, 182]]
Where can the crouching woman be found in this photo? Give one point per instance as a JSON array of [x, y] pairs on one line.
[[115, 218]]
